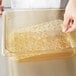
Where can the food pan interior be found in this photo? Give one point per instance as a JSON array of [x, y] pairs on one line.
[[15, 19]]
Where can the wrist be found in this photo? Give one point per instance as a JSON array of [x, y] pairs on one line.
[[72, 1]]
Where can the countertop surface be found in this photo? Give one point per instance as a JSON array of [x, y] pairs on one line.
[[71, 63], [3, 60]]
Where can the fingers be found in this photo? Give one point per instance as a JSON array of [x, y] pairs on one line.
[[72, 28], [65, 23], [69, 24]]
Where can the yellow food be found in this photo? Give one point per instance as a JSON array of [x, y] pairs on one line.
[[38, 39]]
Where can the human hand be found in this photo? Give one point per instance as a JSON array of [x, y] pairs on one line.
[[69, 23], [1, 7]]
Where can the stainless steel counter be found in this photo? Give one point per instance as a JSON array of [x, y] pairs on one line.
[[3, 60], [70, 63]]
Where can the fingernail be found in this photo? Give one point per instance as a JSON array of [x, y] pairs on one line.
[[63, 30]]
